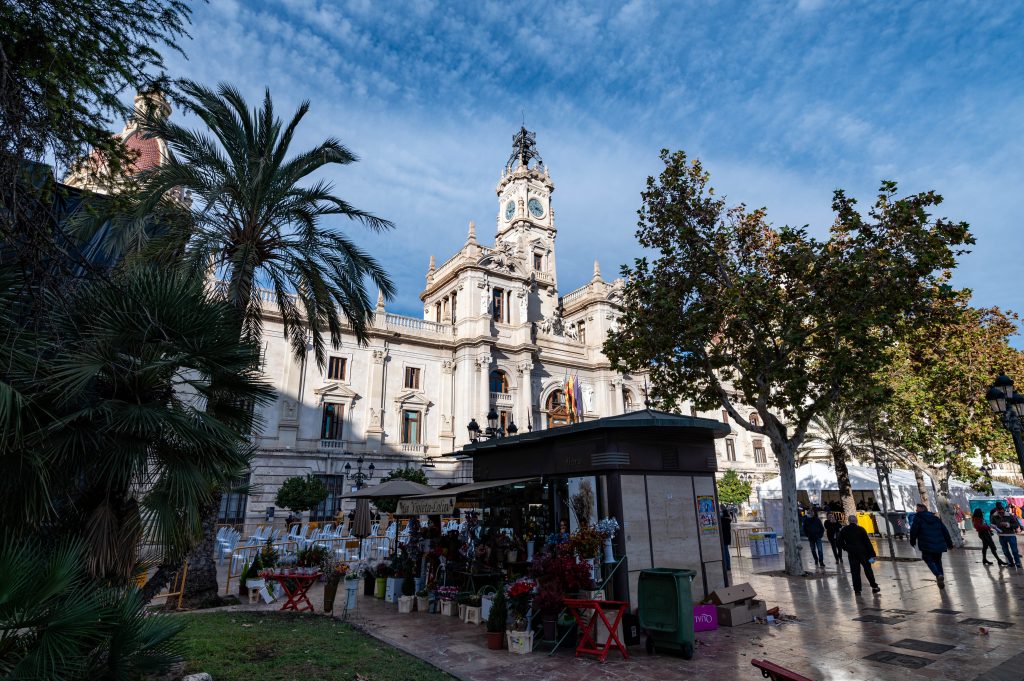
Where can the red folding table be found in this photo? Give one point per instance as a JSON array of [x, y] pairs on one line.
[[588, 624], [295, 586]]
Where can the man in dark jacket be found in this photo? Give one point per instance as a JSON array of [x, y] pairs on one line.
[[814, 531], [726, 521], [932, 537], [859, 553]]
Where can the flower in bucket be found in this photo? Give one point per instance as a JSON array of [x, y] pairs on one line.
[[447, 593], [608, 528], [336, 572], [519, 594], [586, 542]]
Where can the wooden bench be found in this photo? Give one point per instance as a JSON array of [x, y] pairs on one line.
[[770, 670]]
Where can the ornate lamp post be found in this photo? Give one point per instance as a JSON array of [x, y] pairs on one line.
[[359, 477], [1010, 407], [493, 430]]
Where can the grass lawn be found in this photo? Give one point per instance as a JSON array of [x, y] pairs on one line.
[[269, 646]]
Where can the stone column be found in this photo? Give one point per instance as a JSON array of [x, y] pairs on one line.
[[446, 437], [524, 403], [483, 366], [617, 402], [375, 427]]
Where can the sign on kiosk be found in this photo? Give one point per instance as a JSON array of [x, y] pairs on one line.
[[433, 506]]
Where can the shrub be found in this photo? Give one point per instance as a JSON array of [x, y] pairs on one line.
[[300, 494], [497, 620]]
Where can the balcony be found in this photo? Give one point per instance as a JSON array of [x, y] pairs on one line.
[[409, 448], [500, 400], [332, 444], [396, 321]]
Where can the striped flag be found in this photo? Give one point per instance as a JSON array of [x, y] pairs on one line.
[[577, 396]]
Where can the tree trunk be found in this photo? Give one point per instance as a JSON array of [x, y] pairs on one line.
[[201, 581], [790, 513], [922, 488], [941, 477], [845, 488], [158, 581]]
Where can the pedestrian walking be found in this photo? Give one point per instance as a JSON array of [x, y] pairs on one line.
[[984, 531], [1008, 526], [860, 554], [933, 539], [726, 521], [832, 527], [814, 531]]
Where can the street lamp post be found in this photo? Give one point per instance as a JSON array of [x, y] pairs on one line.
[[359, 477], [493, 430], [1009, 406]]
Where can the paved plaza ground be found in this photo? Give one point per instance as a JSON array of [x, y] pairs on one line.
[[911, 630]]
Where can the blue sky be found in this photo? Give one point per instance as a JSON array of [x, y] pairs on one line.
[[783, 101]]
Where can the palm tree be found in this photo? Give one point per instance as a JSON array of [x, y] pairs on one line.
[[842, 436], [256, 218]]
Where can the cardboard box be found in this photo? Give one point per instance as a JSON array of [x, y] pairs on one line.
[[734, 614], [757, 608], [732, 594]]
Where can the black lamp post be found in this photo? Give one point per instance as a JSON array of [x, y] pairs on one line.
[[359, 477], [493, 430], [1010, 407]]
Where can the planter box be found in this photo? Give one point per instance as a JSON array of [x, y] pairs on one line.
[[405, 604], [393, 590], [472, 615], [422, 603], [351, 589], [462, 611], [255, 583], [520, 642], [449, 608], [380, 586]]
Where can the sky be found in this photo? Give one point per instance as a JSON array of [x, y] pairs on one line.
[[783, 102]]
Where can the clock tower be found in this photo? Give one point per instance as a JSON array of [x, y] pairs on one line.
[[525, 217]]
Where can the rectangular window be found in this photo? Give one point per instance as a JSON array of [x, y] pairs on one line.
[[437, 312], [759, 454], [725, 416], [333, 420], [412, 378], [410, 427], [336, 368], [329, 507], [455, 299], [233, 502], [498, 305], [730, 449], [581, 332], [538, 261]]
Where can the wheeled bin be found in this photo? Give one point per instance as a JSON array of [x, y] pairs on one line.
[[666, 609]]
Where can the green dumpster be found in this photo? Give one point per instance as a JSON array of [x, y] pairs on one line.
[[666, 609]]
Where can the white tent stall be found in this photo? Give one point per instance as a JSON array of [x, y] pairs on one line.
[[816, 483]]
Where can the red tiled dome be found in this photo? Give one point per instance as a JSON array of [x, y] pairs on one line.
[[148, 151]]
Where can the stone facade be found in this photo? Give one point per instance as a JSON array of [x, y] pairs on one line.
[[495, 335]]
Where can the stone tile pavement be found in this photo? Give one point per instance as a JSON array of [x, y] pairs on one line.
[[826, 643]]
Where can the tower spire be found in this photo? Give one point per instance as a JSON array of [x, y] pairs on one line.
[[597, 271], [524, 150]]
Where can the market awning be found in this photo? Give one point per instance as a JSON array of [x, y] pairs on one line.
[[474, 487], [391, 489]]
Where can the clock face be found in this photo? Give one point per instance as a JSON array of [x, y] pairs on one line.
[[536, 208], [510, 210]]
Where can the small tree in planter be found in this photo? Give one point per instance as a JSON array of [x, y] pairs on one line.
[[497, 621], [299, 494], [423, 600]]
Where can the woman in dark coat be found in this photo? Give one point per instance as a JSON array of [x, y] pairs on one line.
[[832, 527], [985, 535]]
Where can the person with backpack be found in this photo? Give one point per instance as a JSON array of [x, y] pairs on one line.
[[984, 531], [814, 531], [933, 539], [859, 554], [1008, 526]]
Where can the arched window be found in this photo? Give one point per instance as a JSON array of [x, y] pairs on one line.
[[556, 411], [754, 419], [499, 382], [627, 401]]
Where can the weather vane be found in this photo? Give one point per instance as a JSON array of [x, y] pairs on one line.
[[524, 148]]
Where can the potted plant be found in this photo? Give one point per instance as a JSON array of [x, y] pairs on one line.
[[497, 621], [423, 600], [334, 572], [383, 572], [549, 602], [447, 595], [312, 557], [369, 580], [351, 589], [251, 574], [408, 597], [608, 528], [471, 612]]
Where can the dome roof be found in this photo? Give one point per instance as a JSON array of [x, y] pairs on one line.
[[148, 150]]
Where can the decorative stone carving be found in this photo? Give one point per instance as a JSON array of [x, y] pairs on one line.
[[588, 397], [483, 361], [289, 411], [485, 299], [379, 356], [447, 366], [524, 305]]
